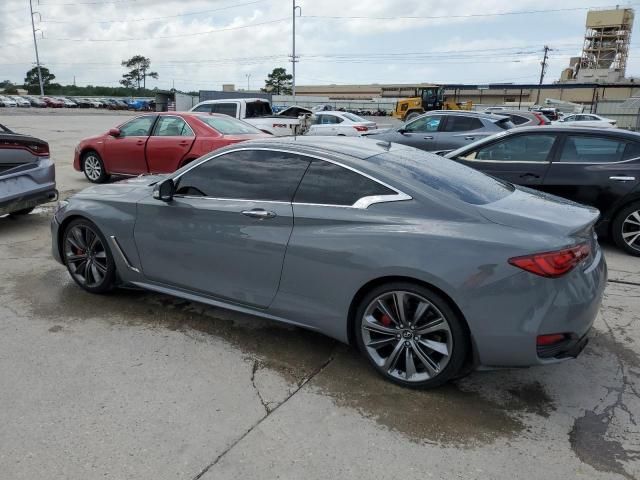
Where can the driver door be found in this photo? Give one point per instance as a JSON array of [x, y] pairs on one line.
[[423, 133], [126, 152]]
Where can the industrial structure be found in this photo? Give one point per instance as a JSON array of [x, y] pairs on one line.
[[605, 50]]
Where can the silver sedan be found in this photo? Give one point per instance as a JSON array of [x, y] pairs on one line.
[[430, 268]]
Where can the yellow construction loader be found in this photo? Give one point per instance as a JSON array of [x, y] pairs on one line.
[[426, 98]]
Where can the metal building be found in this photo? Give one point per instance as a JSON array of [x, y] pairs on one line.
[[606, 45]]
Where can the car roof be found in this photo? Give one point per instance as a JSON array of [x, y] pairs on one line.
[[613, 132], [473, 113], [235, 100]]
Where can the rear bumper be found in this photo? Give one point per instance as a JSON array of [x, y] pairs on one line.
[[27, 187]]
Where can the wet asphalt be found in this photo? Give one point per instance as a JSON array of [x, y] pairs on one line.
[[140, 385]]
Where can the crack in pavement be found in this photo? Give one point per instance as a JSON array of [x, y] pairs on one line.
[[624, 282], [317, 371], [254, 369]]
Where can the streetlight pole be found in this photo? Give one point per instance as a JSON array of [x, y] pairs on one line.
[[35, 44], [294, 59], [248, 75], [542, 71]]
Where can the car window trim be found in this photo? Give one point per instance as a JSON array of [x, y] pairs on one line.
[[362, 203], [193, 134]]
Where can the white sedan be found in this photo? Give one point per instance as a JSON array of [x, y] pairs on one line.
[[342, 124], [587, 120]]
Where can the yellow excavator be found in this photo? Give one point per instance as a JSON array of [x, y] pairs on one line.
[[425, 99]]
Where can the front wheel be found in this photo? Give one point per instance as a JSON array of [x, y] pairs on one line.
[[626, 229], [88, 257], [411, 335], [93, 168], [411, 116]]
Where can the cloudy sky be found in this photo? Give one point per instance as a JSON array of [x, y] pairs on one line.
[[201, 44]]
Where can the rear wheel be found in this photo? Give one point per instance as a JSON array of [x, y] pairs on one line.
[[626, 229], [93, 168], [410, 335], [88, 257]]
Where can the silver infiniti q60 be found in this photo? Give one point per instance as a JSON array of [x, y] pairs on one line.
[[430, 268]]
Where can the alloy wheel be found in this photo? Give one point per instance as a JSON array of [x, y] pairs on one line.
[[631, 230], [407, 336], [85, 256], [92, 167]]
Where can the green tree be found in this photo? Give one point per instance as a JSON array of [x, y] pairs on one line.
[[6, 86], [278, 82], [31, 82], [138, 66]]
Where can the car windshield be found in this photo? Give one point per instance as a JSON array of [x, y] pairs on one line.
[[353, 118], [228, 125], [454, 180]]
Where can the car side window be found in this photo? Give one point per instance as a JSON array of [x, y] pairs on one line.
[[138, 127], [326, 183], [524, 148], [518, 119], [203, 108], [169, 126], [592, 149], [246, 175], [632, 150], [329, 120], [225, 108], [461, 123], [424, 124]]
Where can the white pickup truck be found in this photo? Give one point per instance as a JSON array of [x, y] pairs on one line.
[[257, 112]]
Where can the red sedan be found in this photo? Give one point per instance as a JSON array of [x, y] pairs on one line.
[[158, 143], [53, 102]]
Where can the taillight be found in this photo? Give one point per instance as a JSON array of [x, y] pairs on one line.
[[360, 128], [552, 339], [540, 119], [40, 149], [553, 264]]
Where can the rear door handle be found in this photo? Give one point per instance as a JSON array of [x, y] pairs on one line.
[[428, 138], [259, 213], [140, 142], [622, 178], [529, 175], [469, 138], [183, 143]]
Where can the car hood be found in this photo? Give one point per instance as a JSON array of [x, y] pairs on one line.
[[143, 184], [540, 212]]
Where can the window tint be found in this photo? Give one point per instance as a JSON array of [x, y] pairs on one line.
[[138, 127], [632, 151], [167, 126], [459, 123], [591, 149], [225, 108], [328, 120], [424, 124], [354, 118], [424, 171], [202, 108], [257, 109], [246, 174], [518, 119], [329, 184], [526, 148], [228, 125]]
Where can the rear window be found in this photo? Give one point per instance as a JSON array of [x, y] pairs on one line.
[[518, 119], [505, 123], [228, 125], [353, 118], [460, 123], [258, 109], [422, 169]]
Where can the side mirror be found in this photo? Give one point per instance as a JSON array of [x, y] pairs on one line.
[[164, 190], [114, 132], [402, 130]]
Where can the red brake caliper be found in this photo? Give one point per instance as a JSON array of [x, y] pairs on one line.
[[385, 320]]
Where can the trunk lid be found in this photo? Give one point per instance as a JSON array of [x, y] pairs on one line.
[[536, 211]]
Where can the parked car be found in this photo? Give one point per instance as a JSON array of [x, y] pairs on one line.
[[342, 124], [35, 101], [53, 102], [294, 111], [429, 267], [551, 113], [522, 118], [87, 103], [600, 168], [67, 102], [587, 120], [7, 101], [27, 173], [20, 102], [256, 111], [444, 129], [157, 143]]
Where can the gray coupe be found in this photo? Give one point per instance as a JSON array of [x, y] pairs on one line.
[[429, 267]]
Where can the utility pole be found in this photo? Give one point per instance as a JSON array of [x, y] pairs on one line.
[[294, 58], [35, 44], [542, 71], [248, 75]]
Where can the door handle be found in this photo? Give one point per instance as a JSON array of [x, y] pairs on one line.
[[529, 175], [140, 142], [469, 138], [622, 178], [183, 143], [428, 137], [259, 213]]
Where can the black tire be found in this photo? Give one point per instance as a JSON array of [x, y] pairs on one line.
[[76, 244], [24, 211], [411, 343], [411, 116], [93, 167], [625, 223]]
